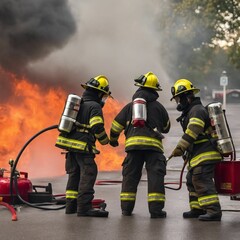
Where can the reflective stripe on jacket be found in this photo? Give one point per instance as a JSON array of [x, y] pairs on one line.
[[196, 138], [91, 128], [143, 141], [148, 137]]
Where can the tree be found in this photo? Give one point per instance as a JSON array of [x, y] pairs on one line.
[[197, 33]]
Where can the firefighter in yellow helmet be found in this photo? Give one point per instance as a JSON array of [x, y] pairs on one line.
[[143, 120], [80, 144], [196, 144]]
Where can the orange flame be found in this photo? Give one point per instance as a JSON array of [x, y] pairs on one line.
[[32, 109], [111, 158]]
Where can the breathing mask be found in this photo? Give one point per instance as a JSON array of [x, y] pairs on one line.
[[183, 103]]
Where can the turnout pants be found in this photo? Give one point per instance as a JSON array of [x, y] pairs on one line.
[[155, 163], [202, 191], [82, 173]]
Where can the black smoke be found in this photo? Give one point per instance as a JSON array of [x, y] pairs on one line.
[[31, 30]]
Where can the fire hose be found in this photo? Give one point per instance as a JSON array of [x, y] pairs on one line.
[[180, 183], [181, 175], [13, 177], [110, 182], [11, 209]]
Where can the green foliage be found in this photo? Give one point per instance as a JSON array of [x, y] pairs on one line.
[[200, 38]]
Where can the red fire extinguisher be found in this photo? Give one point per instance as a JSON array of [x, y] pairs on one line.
[[23, 183]]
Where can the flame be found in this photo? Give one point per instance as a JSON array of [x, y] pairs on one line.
[[33, 108], [110, 158]]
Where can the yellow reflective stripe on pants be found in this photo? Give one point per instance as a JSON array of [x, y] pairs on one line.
[[156, 197], [71, 194], [206, 156], [208, 200], [142, 140], [194, 205], [128, 196]]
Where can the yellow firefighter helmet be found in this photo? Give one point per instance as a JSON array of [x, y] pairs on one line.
[[149, 80], [182, 86], [100, 83]]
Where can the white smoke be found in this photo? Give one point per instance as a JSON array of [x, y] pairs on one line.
[[118, 39]]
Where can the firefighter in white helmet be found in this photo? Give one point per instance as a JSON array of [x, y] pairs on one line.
[[80, 144], [143, 128], [197, 145]]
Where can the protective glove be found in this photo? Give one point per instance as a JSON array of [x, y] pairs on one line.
[[114, 143], [177, 152]]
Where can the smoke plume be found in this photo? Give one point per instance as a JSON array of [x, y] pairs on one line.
[[30, 30], [119, 40]]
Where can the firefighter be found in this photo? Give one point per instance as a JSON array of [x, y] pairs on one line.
[[80, 144], [143, 145], [196, 144]]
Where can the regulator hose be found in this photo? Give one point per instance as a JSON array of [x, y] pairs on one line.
[[111, 182], [13, 171]]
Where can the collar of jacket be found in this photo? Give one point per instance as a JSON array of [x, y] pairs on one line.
[[196, 101], [89, 95], [148, 94]]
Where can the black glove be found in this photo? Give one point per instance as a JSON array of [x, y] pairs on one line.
[[114, 143]]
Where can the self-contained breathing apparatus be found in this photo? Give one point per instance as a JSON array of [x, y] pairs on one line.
[[139, 112], [226, 176], [70, 112], [220, 128], [139, 116]]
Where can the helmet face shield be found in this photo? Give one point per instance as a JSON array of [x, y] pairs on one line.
[[173, 90], [93, 82], [142, 79], [181, 89]]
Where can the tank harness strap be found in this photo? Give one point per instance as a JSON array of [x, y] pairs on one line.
[[83, 127]]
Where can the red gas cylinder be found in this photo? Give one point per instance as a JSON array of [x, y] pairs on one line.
[[23, 183]]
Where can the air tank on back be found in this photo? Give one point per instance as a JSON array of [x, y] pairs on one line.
[[219, 124], [139, 112], [70, 112]]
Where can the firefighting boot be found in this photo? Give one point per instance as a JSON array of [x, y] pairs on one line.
[[161, 214], [71, 206], [93, 213], [194, 213], [126, 213], [211, 217]]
